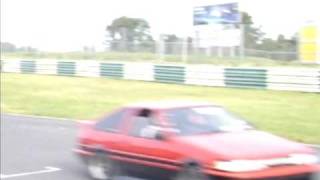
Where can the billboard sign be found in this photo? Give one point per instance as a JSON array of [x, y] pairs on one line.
[[216, 14]]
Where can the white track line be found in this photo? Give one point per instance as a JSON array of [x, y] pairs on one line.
[[48, 169], [39, 117]]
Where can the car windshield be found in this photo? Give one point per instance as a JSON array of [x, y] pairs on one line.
[[202, 120]]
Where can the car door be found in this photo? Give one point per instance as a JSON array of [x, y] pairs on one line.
[[109, 130], [142, 146]]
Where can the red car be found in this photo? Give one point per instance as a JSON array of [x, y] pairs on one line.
[[188, 141]]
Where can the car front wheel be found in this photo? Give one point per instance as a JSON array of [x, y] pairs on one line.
[[191, 173], [100, 167]]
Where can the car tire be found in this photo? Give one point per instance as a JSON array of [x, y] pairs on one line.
[[100, 167], [191, 173]]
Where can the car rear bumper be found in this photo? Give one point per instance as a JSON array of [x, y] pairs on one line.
[[275, 173]]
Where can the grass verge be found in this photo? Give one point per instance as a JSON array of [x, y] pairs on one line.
[[291, 114]]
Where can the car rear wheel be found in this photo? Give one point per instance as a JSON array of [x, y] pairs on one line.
[[191, 173], [100, 167]]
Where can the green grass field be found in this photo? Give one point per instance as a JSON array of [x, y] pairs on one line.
[[291, 114]]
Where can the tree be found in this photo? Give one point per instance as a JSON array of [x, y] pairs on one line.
[[268, 44], [253, 35], [8, 47], [280, 48], [27, 49], [88, 49], [124, 32], [284, 44], [279, 44], [172, 43]]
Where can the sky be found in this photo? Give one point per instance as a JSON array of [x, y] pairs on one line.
[[68, 25]]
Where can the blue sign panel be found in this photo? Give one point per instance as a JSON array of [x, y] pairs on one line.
[[216, 14]]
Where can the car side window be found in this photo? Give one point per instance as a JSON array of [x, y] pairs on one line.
[[144, 125], [111, 123], [187, 122]]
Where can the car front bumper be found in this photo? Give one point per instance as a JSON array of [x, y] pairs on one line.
[[82, 153], [275, 173]]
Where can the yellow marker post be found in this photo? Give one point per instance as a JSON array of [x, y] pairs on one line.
[[309, 46]]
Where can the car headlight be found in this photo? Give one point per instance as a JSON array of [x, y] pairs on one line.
[[303, 159], [255, 165], [239, 166]]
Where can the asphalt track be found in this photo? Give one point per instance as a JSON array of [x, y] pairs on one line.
[[34, 148]]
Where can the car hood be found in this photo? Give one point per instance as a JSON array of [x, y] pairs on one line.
[[250, 144]]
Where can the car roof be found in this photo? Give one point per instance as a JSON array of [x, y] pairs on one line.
[[169, 104]]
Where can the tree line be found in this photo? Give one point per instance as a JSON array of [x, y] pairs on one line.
[[128, 34], [125, 33], [9, 47]]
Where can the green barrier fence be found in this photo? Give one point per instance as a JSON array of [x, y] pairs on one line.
[[66, 68], [28, 66], [169, 74], [112, 70], [251, 78]]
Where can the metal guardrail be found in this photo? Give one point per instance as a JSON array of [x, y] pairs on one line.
[[294, 79]]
